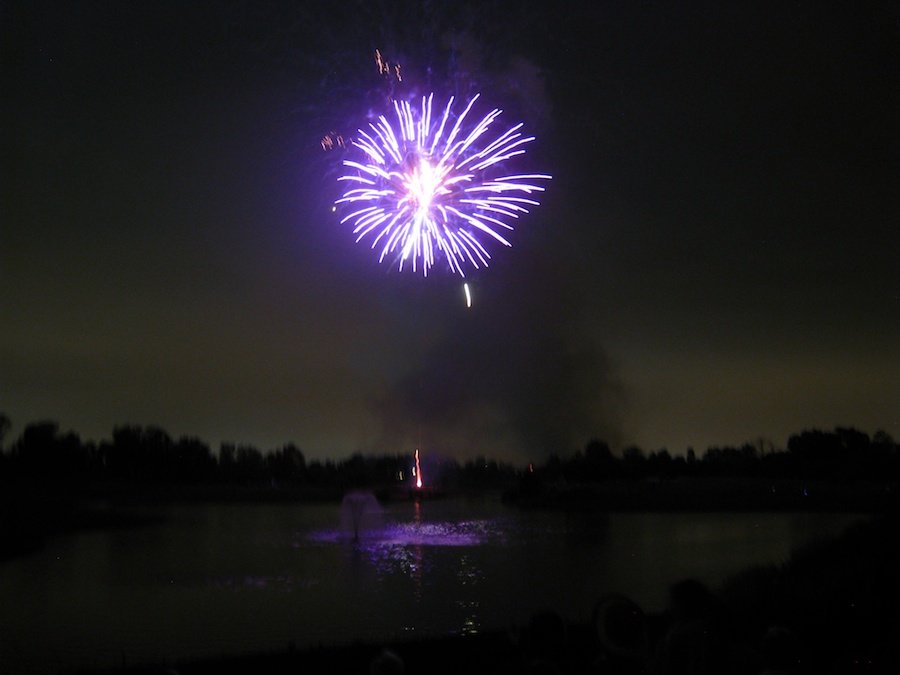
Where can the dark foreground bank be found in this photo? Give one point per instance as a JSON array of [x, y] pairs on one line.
[[832, 608]]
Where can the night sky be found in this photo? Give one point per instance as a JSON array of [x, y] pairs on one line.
[[714, 262]]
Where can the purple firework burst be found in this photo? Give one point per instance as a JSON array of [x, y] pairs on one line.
[[436, 187]]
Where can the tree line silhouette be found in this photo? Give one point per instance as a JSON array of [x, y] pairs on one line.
[[844, 453], [148, 455]]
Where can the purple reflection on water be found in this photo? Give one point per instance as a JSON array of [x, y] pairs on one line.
[[431, 549], [370, 526], [417, 533]]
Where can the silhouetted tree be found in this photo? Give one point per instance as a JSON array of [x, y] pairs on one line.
[[826, 454], [5, 426], [192, 461], [250, 465], [599, 463], [228, 461], [144, 454], [633, 462], [355, 472], [883, 456], [322, 474], [43, 452], [731, 461], [552, 471], [481, 473], [659, 463], [287, 464]]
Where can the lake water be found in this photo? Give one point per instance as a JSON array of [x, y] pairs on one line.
[[228, 579]]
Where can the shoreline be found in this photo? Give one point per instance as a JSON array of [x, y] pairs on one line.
[[726, 495], [30, 515]]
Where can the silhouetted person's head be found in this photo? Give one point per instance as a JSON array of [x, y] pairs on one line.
[[542, 667], [690, 599], [780, 650], [387, 663], [546, 635], [620, 624]]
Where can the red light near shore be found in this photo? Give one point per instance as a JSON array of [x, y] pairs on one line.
[[418, 471]]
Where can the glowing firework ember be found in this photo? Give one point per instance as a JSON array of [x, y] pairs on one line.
[[418, 471], [434, 187]]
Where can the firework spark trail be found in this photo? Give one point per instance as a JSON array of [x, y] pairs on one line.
[[420, 194]]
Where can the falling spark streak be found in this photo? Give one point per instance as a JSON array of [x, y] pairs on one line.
[[468, 295], [421, 195]]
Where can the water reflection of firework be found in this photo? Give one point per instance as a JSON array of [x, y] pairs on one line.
[[392, 534]]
